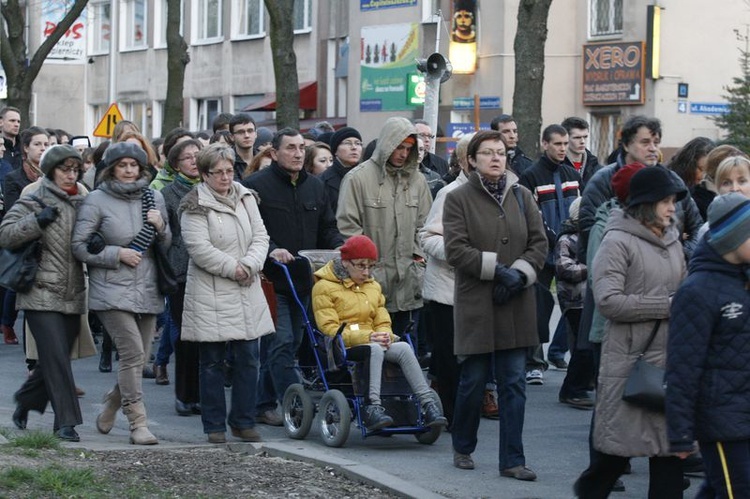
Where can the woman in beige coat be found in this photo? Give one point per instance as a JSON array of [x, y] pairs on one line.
[[227, 243], [638, 268]]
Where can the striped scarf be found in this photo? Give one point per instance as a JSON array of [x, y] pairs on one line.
[[148, 233]]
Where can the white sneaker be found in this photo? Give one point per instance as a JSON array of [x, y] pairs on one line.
[[535, 377]]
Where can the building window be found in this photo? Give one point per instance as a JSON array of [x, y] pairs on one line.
[[138, 113], [207, 111], [605, 17], [160, 23], [135, 24], [302, 16], [430, 11], [209, 20], [100, 27], [247, 20], [604, 131]]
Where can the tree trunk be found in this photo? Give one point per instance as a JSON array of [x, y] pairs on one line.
[[20, 72], [531, 36], [177, 59], [281, 14]]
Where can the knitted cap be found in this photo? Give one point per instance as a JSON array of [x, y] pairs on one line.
[[575, 207], [728, 222], [56, 155], [341, 135], [621, 181], [359, 247], [262, 136], [652, 184], [120, 150]]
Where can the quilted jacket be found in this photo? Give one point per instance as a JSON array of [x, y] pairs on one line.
[[59, 284], [708, 360], [570, 273]]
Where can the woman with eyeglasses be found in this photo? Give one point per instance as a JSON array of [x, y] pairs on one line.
[[55, 304], [347, 293], [227, 242], [495, 240], [117, 229]]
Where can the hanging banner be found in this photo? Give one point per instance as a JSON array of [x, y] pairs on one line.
[[387, 54], [462, 51], [72, 46]]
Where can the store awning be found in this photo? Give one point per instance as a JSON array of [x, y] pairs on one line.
[[308, 99]]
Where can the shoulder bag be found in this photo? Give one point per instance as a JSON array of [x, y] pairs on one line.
[[645, 384], [18, 267]]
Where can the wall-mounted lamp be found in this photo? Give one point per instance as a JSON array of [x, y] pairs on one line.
[[653, 41]]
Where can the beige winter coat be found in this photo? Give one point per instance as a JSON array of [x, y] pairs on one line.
[[218, 238], [635, 272]]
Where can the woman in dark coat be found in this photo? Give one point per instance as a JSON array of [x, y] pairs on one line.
[[494, 237]]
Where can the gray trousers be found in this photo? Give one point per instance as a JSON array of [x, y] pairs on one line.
[[132, 334], [399, 353], [52, 378]]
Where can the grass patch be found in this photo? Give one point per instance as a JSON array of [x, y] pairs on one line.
[[35, 440], [51, 481]]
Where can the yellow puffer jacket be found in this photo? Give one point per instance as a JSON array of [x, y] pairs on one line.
[[336, 299]]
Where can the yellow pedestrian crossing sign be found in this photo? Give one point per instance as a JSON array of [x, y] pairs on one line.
[[107, 125]]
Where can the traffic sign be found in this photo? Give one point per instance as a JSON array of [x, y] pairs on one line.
[[107, 125]]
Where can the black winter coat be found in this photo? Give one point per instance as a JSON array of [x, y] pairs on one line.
[[590, 166], [708, 354]]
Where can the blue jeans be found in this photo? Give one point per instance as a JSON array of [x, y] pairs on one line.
[[559, 344], [167, 339], [736, 458], [510, 374], [244, 385], [10, 314], [278, 370]]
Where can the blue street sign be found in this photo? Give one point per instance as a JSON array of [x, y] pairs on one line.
[[458, 130], [682, 106], [709, 108], [492, 102]]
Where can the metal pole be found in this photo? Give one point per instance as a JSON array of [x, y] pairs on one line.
[[113, 45]]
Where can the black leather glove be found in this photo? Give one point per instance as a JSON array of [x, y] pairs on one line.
[[47, 216], [508, 283], [96, 244]]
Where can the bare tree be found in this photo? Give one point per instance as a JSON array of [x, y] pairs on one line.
[[531, 36], [177, 59], [20, 70], [281, 13]]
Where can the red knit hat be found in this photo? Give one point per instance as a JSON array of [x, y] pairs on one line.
[[621, 181], [359, 247]]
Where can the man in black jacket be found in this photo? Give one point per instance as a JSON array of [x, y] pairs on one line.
[[578, 156], [430, 161], [346, 145], [517, 160], [10, 121], [297, 215]]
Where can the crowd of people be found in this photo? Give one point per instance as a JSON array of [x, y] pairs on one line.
[[648, 255]]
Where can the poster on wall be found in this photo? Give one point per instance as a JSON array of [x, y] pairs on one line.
[[462, 50], [387, 54], [72, 46]]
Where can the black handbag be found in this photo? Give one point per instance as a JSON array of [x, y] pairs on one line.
[[18, 267], [166, 278], [645, 385]]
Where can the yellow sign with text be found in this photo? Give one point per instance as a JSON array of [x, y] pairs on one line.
[[107, 124]]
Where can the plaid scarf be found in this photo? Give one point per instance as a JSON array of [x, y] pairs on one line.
[[496, 189], [148, 233]]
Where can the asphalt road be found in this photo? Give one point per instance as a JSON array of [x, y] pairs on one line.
[[555, 438]]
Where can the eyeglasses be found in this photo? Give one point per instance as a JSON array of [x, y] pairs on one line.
[[351, 143], [222, 173], [427, 135], [246, 131], [492, 153], [189, 157], [364, 266], [69, 169]]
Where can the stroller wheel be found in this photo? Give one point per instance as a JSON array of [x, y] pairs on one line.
[[335, 418], [297, 412]]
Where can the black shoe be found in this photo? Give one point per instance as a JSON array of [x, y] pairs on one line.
[[182, 408], [433, 416], [148, 373], [693, 464], [619, 486], [559, 363], [375, 418], [20, 417], [585, 402], [68, 433], [105, 363], [196, 408]]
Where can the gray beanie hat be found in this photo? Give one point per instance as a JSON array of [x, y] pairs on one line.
[[116, 152], [56, 155], [262, 136], [728, 222]]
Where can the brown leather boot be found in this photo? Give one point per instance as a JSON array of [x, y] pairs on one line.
[[139, 432], [489, 405], [161, 374], [112, 402], [9, 335]]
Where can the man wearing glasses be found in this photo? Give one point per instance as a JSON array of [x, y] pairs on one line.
[[346, 145], [297, 215], [431, 161], [242, 128]]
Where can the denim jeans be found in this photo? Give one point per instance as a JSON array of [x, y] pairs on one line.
[[511, 393], [244, 385], [735, 456], [278, 370], [166, 341], [559, 344], [10, 314]]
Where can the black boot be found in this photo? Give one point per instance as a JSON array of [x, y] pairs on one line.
[[433, 416], [105, 361], [20, 416], [375, 418]]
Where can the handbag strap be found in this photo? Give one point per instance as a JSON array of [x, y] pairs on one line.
[[652, 336]]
